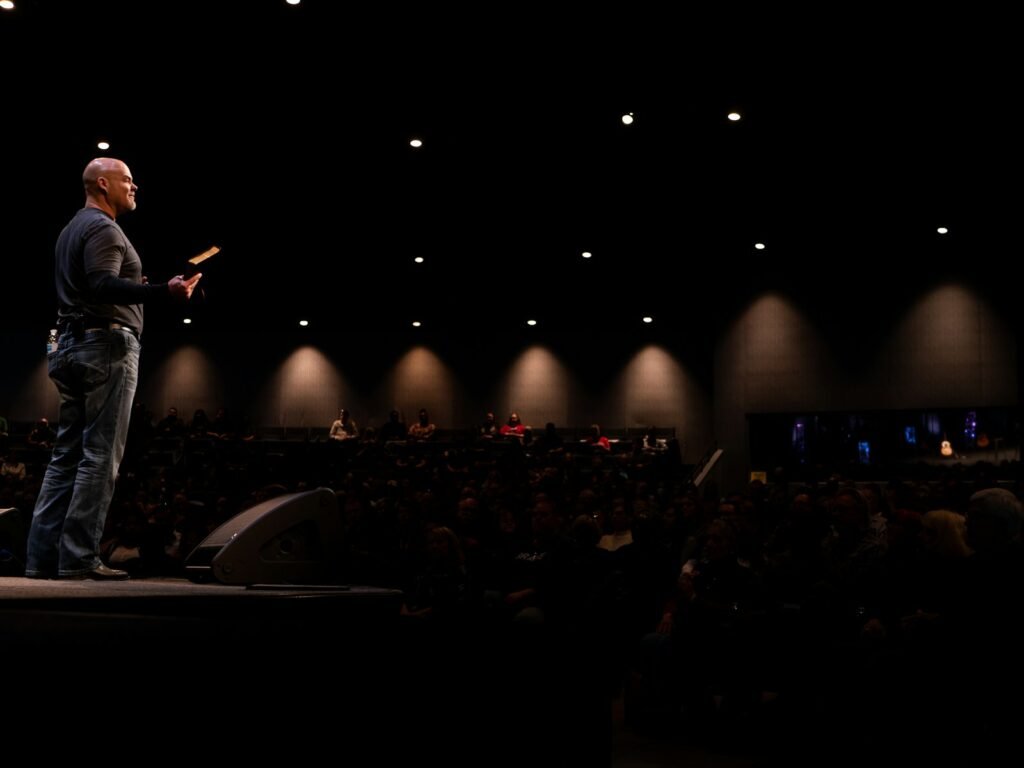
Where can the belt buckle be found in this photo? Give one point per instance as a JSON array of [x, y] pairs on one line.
[[123, 327]]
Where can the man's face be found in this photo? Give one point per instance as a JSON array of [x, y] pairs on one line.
[[120, 189]]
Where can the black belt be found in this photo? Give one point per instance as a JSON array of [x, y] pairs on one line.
[[107, 325], [76, 324]]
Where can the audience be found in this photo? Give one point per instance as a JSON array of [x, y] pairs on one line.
[[804, 595]]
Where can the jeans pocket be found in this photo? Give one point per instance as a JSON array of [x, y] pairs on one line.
[[82, 364]]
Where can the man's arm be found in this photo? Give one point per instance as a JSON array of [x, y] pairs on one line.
[[108, 288]]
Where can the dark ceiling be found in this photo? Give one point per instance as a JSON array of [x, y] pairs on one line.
[[281, 134]]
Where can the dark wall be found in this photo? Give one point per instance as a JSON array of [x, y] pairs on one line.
[[301, 379], [947, 348]]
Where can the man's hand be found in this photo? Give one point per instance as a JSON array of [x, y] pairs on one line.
[[181, 288]]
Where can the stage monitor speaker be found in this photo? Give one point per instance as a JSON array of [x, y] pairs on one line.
[[290, 539], [13, 540]]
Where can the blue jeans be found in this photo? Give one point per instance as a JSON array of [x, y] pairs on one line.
[[96, 377]]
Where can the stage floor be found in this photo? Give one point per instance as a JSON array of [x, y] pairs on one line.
[[286, 672], [15, 589]]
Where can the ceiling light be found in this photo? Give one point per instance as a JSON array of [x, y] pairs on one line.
[[103, 145], [303, 323], [586, 254], [416, 143], [627, 119], [7, 5], [759, 246], [531, 322], [942, 230], [418, 259], [648, 319], [187, 321], [416, 323], [734, 116], [293, 2]]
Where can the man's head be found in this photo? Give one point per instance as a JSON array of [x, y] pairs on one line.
[[994, 520], [109, 185]]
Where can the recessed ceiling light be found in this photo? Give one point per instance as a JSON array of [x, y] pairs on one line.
[[187, 321], [416, 323], [627, 119], [759, 246], [648, 319], [103, 145], [303, 323], [942, 230], [734, 116], [7, 5], [586, 254], [531, 322], [418, 259], [416, 143], [293, 2]]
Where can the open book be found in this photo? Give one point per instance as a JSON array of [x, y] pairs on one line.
[[195, 261]]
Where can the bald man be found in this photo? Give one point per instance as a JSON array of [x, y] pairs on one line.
[[100, 293]]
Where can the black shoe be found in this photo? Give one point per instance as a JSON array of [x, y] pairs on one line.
[[101, 573]]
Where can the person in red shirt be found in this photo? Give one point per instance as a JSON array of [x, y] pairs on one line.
[[597, 439], [514, 427]]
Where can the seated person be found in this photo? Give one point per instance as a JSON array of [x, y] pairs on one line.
[[423, 429], [549, 441], [41, 435], [489, 428], [200, 424], [514, 427], [394, 429], [12, 466], [344, 427], [221, 427], [597, 438], [170, 424], [651, 443]]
